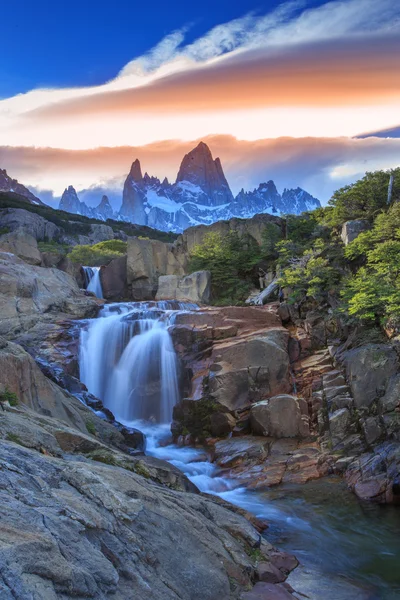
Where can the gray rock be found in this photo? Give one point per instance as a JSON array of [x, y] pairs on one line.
[[372, 430], [279, 417], [23, 245], [339, 424], [391, 400], [29, 294], [368, 370], [35, 225], [352, 229], [82, 529], [195, 287], [147, 260]]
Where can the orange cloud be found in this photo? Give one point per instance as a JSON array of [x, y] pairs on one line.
[[319, 165]]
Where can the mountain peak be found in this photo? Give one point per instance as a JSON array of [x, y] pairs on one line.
[[199, 168], [136, 171]]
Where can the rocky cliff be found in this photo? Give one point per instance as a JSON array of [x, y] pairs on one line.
[[7, 184]]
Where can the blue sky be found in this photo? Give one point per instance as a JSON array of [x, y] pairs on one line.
[[279, 90], [63, 43]]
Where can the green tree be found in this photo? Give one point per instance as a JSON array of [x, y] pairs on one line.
[[98, 254], [231, 260]]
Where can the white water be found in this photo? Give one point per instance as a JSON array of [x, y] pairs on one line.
[[127, 359], [93, 281]]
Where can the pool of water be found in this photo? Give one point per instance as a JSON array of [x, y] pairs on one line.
[[347, 550]]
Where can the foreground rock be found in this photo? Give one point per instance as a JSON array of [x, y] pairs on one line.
[[77, 528]]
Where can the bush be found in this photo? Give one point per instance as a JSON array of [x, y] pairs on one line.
[[231, 260], [98, 254], [10, 397]]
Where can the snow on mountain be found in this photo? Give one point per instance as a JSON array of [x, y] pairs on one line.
[[200, 195], [7, 184]]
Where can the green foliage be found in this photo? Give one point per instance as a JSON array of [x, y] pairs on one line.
[[4, 230], [10, 397], [98, 254], [312, 275], [91, 427], [372, 295], [363, 199], [271, 235], [231, 260], [53, 247]]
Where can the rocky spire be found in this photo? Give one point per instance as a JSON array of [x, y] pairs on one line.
[[70, 201], [136, 172], [105, 208], [133, 196], [199, 168]]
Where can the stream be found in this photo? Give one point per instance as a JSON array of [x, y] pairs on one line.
[[347, 550]]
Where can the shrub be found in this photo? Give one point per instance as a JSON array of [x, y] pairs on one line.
[[10, 397], [231, 260], [98, 254]]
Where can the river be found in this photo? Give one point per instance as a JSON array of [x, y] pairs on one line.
[[347, 550]]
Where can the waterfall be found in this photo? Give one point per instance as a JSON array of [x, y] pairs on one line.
[[127, 359], [92, 280]]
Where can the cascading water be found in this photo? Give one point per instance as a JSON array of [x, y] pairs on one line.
[[127, 359], [93, 281]]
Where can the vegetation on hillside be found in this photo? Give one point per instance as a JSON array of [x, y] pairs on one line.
[[363, 278], [98, 254], [232, 261], [360, 282], [77, 224]]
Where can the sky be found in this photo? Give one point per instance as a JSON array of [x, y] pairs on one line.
[[305, 93]]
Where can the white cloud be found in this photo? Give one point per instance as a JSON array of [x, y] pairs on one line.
[[288, 25]]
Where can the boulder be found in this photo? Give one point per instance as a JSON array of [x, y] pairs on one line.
[[250, 368], [352, 229], [368, 370], [100, 233], [114, 279], [82, 528], [146, 261], [191, 288], [279, 417], [29, 294], [23, 245], [30, 222]]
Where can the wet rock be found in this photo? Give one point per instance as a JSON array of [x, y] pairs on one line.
[[279, 416], [267, 591], [114, 279], [269, 573]]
